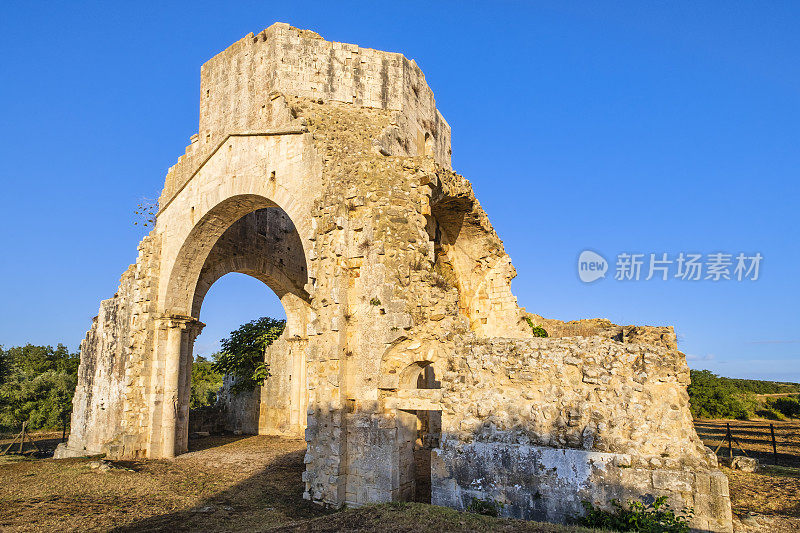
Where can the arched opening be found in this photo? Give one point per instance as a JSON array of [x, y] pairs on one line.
[[232, 301], [418, 433], [247, 235]]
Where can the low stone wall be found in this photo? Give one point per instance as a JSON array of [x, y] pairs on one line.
[[541, 425], [549, 484]]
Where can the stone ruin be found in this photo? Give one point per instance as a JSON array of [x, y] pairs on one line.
[[323, 170]]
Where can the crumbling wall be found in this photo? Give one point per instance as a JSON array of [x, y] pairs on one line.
[[541, 425], [110, 411], [404, 272]]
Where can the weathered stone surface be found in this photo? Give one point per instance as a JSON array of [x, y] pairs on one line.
[[323, 169], [745, 464]]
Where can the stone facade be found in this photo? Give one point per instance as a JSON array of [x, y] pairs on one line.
[[323, 169]]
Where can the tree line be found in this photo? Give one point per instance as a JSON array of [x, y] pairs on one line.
[[712, 396], [36, 386]]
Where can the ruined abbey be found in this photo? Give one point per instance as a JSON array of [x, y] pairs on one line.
[[323, 170]]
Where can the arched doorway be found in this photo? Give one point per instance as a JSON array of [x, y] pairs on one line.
[[236, 308], [250, 235]]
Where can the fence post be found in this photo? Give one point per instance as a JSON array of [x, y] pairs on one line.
[[774, 448], [22, 440], [730, 441]]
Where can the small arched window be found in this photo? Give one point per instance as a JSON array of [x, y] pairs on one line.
[[419, 375]]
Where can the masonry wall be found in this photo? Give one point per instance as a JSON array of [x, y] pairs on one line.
[[110, 407], [544, 424], [394, 266]]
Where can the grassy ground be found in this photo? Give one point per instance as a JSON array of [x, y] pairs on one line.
[[224, 484], [253, 484]]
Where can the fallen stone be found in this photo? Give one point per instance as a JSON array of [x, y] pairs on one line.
[[745, 464]]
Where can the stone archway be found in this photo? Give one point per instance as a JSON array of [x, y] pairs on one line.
[[251, 235]]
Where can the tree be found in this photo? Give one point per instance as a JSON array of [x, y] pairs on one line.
[[206, 383], [4, 365], [36, 385], [713, 397], [242, 354]]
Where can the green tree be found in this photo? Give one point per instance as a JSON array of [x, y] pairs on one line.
[[36, 385], [206, 382], [242, 354], [713, 397]]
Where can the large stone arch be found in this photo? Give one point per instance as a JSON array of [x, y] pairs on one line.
[[205, 256], [248, 234]]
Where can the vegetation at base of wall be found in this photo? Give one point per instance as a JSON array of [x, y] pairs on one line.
[[486, 507], [206, 383], [538, 331], [711, 396], [36, 386], [655, 517], [242, 354]]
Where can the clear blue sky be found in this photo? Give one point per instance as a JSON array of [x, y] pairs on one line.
[[614, 126]]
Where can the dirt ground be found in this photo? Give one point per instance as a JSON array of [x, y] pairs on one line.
[[768, 500], [253, 484], [223, 484], [754, 437]]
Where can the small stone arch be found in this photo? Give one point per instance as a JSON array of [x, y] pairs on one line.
[[405, 362], [419, 375]]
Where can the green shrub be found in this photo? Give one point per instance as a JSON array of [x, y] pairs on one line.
[[770, 414], [789, 407], [655, 517], [206, 383], [486, 507]]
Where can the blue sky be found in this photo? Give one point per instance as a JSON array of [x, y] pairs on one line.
[[646, 127]]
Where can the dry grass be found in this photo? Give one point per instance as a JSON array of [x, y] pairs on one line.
[[253, 484], [225, 484], [418, 517], [754, 436], [768, 500]]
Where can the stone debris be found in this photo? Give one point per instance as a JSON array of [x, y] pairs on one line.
[[745, 464]]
